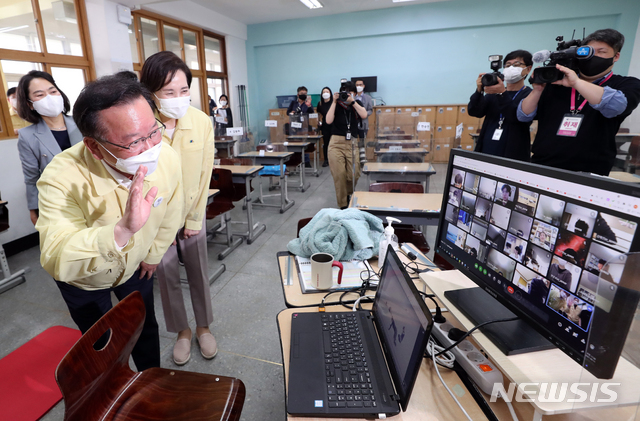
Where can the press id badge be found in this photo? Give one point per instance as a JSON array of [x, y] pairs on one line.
[[570, 125], [348, 136], [497, 134]]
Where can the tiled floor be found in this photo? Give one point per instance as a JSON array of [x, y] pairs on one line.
[[246, 300]]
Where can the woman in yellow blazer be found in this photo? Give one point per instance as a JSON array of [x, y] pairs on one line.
[[190, 133]]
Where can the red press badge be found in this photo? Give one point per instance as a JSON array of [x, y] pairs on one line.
[[570, 125]]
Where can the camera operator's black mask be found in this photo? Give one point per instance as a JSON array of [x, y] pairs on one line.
[[302, 97], [594, 66]]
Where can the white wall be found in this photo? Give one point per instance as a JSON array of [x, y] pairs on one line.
[[13, 190], [109, 38], [633, 121], [237, 70]]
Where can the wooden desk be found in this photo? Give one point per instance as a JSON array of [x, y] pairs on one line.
[[418, 172], [625, 176], [405, 143], [227, 143], [299, 147], [410, 208], [212, 193], [243, 174], [542, 366], [272, 158], [314, 138]]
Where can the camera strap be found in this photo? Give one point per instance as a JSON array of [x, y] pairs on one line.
[[347, 117], [573, 96]]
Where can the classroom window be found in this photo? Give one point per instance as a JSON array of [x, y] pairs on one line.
[[212, 54], [47, 35], [190, 49], [172, 40], [150, 39], [215, 88], [196, 96]]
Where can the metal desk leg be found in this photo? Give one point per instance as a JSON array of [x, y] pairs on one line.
[[285, 203], [316, 171], [215, 275], [426, 185], [252, 235], [9, 281]]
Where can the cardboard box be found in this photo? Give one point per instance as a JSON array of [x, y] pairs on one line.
[[447, 115]]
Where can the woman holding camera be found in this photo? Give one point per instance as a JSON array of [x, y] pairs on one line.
[[42, 103], [344, 114], [323, 108]]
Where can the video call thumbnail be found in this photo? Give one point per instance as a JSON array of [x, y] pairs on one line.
[[520, 225], [614, 232], [471, 182], [532, 283], [537, 259], [569, 306], [475, 248], [515, 247], [500, 216], [550, 210], [505, 194], [572, 248], [543, 235], [457, 178], [464, 220], [483, 209], [479, 228], [451, 213], [468, 203], [579, 220], [564, 273], [487, 188], [456, 235], [501, 264], [496, 237], [455, 197], [599, 262], [588, 286], [526, 202]]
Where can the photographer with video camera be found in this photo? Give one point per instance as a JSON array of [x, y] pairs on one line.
[[580, 104], [502, 134], [344, 114]]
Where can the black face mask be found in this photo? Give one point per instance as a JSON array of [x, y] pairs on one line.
[[594, 66], [302, 97]]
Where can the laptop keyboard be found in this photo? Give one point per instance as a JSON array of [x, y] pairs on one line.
[[348, 379]]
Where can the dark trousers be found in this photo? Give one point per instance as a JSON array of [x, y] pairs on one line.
[[326, 137], [87, 307]]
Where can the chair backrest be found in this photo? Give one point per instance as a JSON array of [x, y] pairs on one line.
[[634, 150], [301, 224], [396, 187], [90, 379], [222, 179], [236, 161], [621, 130]]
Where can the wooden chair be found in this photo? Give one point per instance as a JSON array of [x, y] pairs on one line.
[[632, 163], [406, 233], [301, 224], [240, 190], [99, 385], [222, 204]]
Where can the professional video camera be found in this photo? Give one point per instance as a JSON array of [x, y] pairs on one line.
[[567, 54], [490, 79], [344, 93]]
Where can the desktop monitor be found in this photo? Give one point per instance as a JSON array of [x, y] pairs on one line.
[[536, 239], [370, 82]]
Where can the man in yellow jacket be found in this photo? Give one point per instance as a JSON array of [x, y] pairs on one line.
[[111, 206]]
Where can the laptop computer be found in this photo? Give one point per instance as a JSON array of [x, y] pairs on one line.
[[363, 363]]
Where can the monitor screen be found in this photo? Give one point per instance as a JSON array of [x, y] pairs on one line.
[[370, 82], [538, 239]]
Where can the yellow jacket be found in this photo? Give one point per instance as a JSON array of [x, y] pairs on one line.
[[193, 140], [80, 204]]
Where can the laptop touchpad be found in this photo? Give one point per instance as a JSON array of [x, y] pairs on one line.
[[307, 346]]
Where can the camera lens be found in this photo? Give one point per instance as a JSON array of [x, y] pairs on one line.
[[489, 79]]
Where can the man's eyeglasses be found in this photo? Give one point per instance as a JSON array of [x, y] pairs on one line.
[[515, 63], [138, 142]]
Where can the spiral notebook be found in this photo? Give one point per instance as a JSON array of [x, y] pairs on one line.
[[350, 276]]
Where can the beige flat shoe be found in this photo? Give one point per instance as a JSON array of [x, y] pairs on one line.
[[208, 345], [182, 351]]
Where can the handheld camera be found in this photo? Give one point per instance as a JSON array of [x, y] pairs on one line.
[[490, 79], [567, 54], [344, 93]]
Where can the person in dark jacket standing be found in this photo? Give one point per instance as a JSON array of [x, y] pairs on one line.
[[323, 107], [502, 134]]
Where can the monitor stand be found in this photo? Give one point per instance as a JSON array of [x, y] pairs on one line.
[[512, 338]]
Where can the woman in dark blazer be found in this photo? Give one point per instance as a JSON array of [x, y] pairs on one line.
[[42, 103], [223, 116]]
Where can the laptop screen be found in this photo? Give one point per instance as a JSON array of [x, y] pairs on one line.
[[404, 324]]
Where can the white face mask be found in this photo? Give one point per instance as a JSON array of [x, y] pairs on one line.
[[223, 103], [360, 88], [148, 158], [49, 106], [326, 95], [513, 74], [14, 103], [174, 107]]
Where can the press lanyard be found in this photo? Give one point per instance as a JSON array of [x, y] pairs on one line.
[[501, 117], [573, 96], [347, 117]]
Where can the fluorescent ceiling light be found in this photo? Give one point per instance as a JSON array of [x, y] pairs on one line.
[[400, 1], [12, 28], [312, 4]]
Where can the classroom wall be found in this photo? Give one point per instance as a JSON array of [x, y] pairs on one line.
[[422, 54]]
